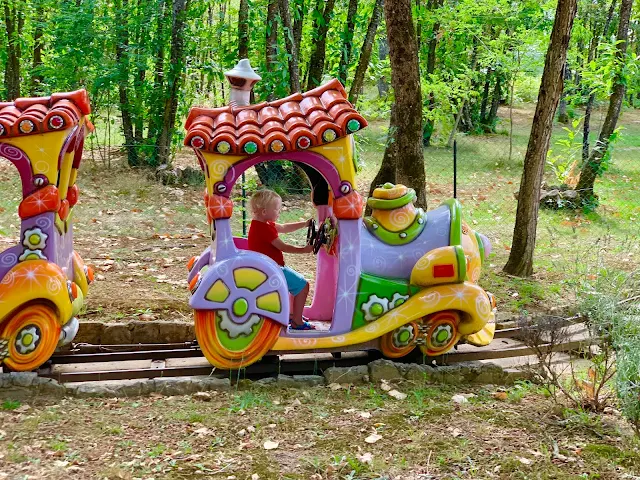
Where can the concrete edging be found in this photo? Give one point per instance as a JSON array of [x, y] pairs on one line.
[[23, 385]]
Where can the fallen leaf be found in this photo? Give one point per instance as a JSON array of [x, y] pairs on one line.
[[397, 395], [524, 461], [373, 438], [501, 396], [365, 458], [269, 445], [255, 476], [335, 386], [459, 399], [365, 414], [385, 386], [22, 409]]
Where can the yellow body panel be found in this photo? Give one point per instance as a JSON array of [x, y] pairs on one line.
[[483, 337], [422, 273], [35, 280], [42, 150], [464, 297], [65, 175], [472, 252], [79, 277], [218, 292], [249, 278]]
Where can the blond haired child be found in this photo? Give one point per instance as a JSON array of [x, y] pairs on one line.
[[264, 238]]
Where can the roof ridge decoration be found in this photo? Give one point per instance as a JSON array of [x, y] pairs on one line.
[[294, 123], [30, 116]]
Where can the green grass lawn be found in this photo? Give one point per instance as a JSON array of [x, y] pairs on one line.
[[356, 433]]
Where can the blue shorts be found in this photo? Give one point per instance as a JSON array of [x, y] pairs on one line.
[[295, 281]]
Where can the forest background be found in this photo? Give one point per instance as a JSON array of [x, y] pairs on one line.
[[146, 62]]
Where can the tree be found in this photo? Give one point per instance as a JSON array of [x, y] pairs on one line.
[[321, 28], [431, 67], [520, 261], [38, 45], [122, 58], [594, 167], [13, 23], [175, 78], [347, 45], [593, 45], [243, 30], [271, 42], [365, 55], [290, 44], [403, 160]]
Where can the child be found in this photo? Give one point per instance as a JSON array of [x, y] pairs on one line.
[[263, 238]]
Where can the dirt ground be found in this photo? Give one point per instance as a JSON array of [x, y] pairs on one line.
[[315, 434]]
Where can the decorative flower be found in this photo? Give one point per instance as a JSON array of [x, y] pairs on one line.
[[35, 239], [31, 255], [28, 339]]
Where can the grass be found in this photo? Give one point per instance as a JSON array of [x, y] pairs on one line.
[[140, 234], [321, 435]]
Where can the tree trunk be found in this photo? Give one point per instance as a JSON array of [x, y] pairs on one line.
[[593, 167], [321, 28], [271, 42], [383, 53], [141, 36], [365, 54], [243, 29], [563, 117], [347, 44], [175, 79], [157, 96], [495, 103], [122, 61], [595, 41], [485, 96], [431, 68], [403, 160], [12, 67], [292, 48], [38, 46], [520, 261], [298, 22]]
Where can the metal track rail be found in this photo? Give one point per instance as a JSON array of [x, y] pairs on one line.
[[104, 366]]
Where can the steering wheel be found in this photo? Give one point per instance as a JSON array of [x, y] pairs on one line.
[[311, 232], [321, 238]]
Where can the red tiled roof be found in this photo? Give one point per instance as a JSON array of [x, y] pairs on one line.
[[296, 122], [28, 116]]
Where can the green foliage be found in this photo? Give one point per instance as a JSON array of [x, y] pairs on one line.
[[569, 152], [613, 308], [10, 404]]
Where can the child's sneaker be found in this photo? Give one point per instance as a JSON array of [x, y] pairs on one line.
[[303, 326]]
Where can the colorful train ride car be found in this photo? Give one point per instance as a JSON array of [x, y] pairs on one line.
[[399, 279], [43, 282]]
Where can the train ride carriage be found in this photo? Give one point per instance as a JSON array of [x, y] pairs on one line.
[[43, 281], [394, 281]]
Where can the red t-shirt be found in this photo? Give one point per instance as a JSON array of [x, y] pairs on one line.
[[261, 234]]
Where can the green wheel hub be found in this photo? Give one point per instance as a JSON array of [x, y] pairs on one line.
[[240, 307]]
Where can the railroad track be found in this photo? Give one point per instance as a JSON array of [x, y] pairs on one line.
[[119, 362]]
